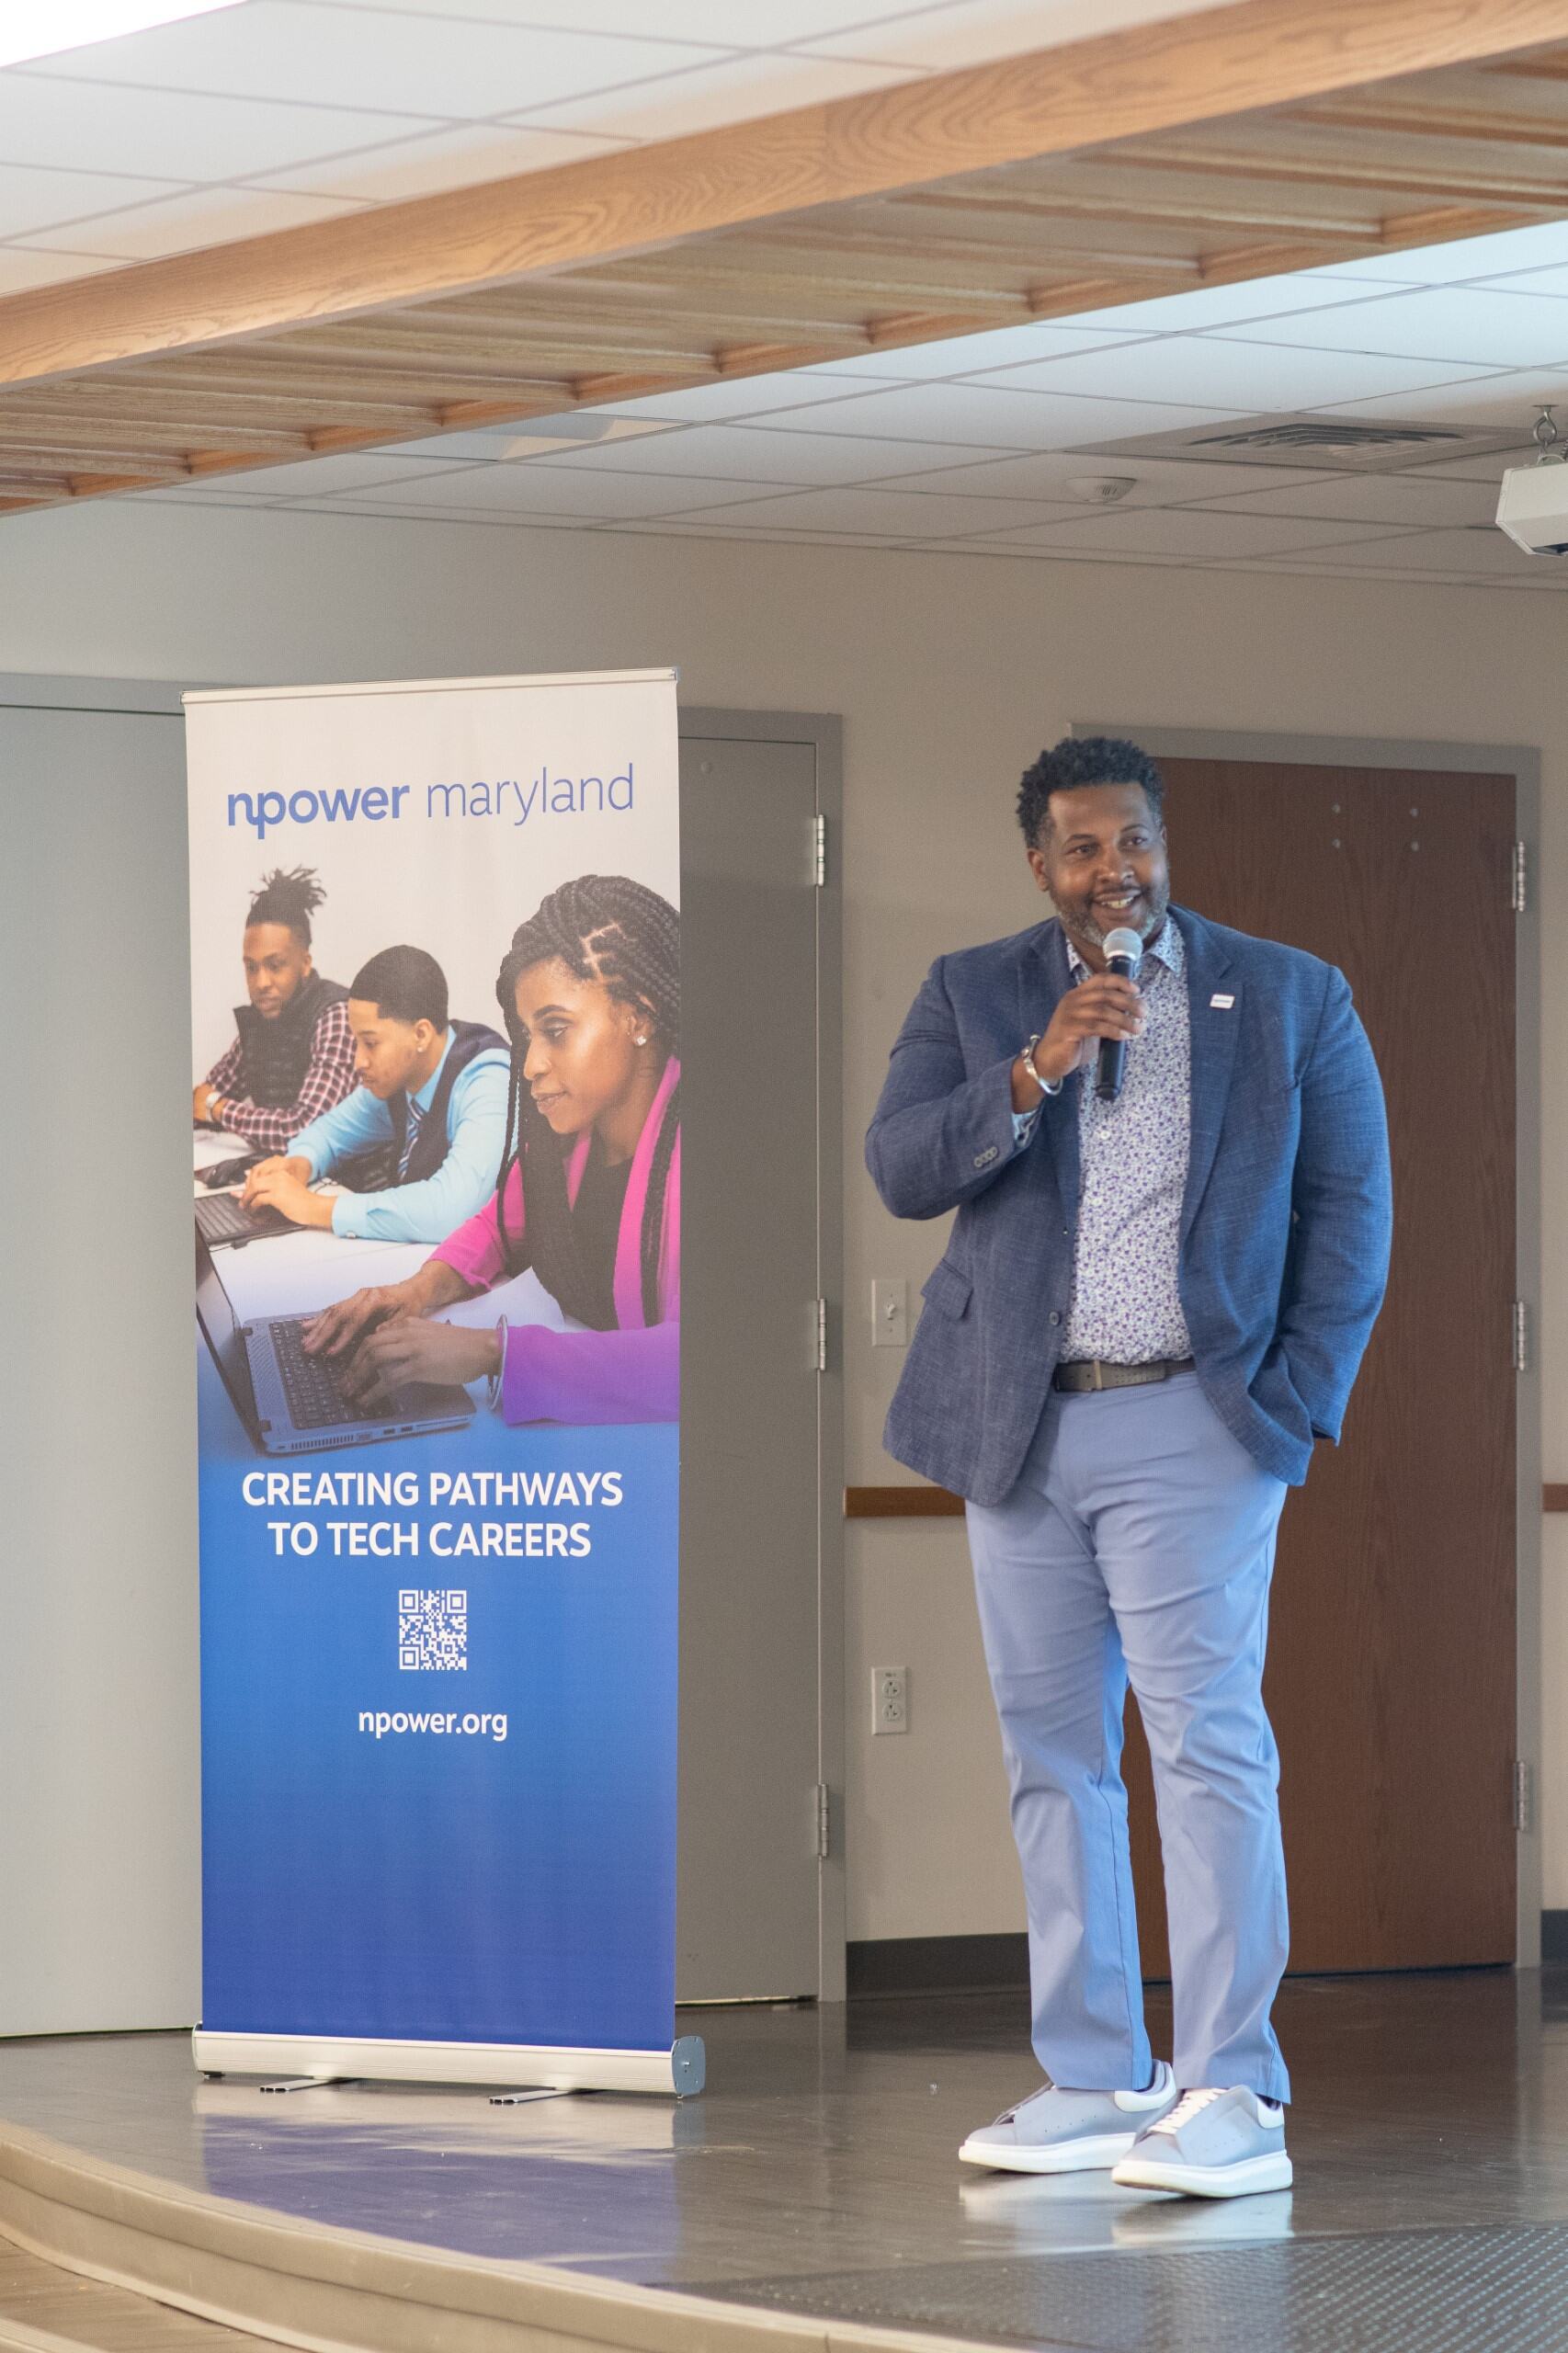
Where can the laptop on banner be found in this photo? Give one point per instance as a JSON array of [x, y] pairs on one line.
[[290, 1402], [223, 1218]]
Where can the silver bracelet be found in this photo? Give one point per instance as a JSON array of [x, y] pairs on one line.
[[499, 1375], [1028, 1063]]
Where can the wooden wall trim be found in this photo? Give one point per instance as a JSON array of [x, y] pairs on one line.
[[905, 1501], [909, 1502], [1145, 79]]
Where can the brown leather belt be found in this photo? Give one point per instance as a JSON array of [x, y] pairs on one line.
[[1090, 1372]]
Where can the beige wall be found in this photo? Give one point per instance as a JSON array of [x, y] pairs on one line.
[[949, 672]]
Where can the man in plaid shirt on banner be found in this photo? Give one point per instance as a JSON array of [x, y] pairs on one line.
[[292, 1057]]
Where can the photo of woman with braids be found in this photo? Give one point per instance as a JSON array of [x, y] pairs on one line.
[[588, 1194]]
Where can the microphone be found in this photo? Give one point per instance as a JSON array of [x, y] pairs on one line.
[[1123, 954]]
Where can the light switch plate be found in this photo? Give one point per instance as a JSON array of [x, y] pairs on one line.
[[890, 1312]]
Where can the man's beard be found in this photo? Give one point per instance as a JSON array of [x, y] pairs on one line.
[[1090, 927]]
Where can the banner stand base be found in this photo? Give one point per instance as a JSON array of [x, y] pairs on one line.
[[296, 2062]]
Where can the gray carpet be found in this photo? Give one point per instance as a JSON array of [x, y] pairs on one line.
[[1502, 2290]]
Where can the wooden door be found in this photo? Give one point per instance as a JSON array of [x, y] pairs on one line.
[[1390, 1677]]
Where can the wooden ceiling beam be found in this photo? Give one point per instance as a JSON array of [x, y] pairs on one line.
[[1547, 198], [29, 455], [1409, 120], [495, 356], [1549, 65], [181, 409], [1135, 83], [138, 435], [1038, 212]]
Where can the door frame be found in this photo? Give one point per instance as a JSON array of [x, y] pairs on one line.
[[823, 735], [1522, 762]]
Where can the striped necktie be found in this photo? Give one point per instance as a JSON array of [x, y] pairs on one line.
[[416, 1118]]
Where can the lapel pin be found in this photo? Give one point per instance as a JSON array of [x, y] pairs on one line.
[[1224, 1003]]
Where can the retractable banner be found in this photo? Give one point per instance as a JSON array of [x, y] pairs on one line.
[[436, 1000]]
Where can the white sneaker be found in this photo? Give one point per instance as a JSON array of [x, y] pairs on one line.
[[1212, 2145], [1068, 2132]]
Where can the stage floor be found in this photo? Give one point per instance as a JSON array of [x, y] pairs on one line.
[[818, 2176]]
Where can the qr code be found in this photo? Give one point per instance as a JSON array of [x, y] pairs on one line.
[[432, 1629]]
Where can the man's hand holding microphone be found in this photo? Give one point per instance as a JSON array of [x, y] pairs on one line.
[[1104, 1005]]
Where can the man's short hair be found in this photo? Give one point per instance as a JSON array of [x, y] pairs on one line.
[[1080, 760], [403, 984]]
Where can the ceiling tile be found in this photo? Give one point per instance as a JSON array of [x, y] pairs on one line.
[[1198, 532], [751, 453], [167, 136], [1243, 377], [1217, 306], [1552, 281], [718, 527], [735, 90], [531, 438], [173, 224], [434, 160], [326, 477], [1484, 466], [986, 417], [1470, 258], [1413, 500], [1478, 551], [32, 202], [901, 514], [968, 32], [20, 267], [1038, 546], [387, 507], [373, 59], [720, 22], [992, 348], [1490, 403], [743, 396], [544, 488], [1157, 482], [1469, 324]]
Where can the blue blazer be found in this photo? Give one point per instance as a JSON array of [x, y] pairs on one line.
[[1285, 1227]]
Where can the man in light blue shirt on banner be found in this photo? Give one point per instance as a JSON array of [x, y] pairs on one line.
[[422, 1134], [1151, 1308]]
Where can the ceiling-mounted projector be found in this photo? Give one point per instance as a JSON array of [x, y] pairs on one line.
[[1532, 504], [1532, 507]]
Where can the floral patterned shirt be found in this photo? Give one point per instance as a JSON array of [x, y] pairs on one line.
[[1133, 1156]]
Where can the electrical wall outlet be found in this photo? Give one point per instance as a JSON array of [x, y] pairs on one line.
[[889, 1314], [889, 1698]]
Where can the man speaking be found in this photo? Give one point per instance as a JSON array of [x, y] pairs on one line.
[[1167, 1258]]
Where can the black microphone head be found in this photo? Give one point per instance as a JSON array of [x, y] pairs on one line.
[[1126, 947]]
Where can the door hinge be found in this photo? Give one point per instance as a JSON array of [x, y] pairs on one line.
[[818, 851], [822, 1336], [1522, 898], [1521, 1337], [1522, 1793], [822, 1804]]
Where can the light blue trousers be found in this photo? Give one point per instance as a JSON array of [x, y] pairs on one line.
[[1139, 1542]]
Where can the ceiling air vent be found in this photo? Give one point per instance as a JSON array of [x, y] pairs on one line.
[[1319, 441], [1323, 433]]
